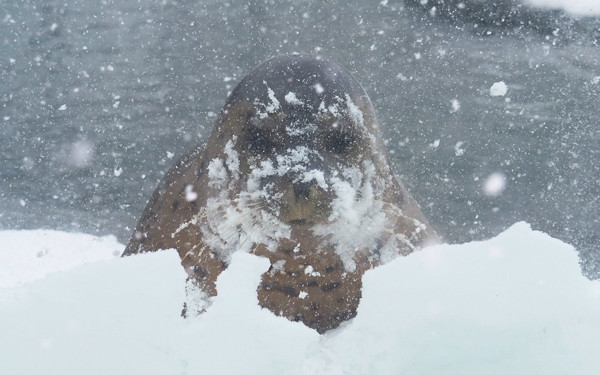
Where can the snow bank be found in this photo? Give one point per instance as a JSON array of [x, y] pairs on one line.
[[575, 7], [515, 304], [26, 256]]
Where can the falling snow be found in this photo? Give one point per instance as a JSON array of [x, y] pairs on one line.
[[291, 98], [458, 150], [491, 118], [498, 89], [494, 184]]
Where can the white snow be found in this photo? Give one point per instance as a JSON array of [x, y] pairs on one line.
[[309, 270], [217, 173], [273, 105], [317, 176], [233, 160], [575, 7], [292, 99], [232, 222], [237, 222], [354, 112], [190, 194], [514, 304], [498, 89], [357, 217], [26, 256]]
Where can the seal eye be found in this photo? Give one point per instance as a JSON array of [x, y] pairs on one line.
[[259, 142], [339, 142]]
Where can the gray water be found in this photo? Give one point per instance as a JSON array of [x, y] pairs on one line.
[[98, 99]]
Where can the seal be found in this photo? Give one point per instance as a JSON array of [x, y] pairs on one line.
[[295, 170]]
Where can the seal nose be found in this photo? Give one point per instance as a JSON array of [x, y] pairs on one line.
[[302, 189]]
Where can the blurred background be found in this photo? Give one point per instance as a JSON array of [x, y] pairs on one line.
[[491, 109]]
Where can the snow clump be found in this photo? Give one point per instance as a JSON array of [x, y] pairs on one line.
[[498, 89]]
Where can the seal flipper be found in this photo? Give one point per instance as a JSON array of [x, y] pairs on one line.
[[179, 196]]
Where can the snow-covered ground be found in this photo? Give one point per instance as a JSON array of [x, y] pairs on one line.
[[575, 7], [514, 304], [26, 256]]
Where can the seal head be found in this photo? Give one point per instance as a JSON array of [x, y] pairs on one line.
[[295, 170]]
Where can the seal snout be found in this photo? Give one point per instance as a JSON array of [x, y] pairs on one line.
[[304, 203], [302, 190]]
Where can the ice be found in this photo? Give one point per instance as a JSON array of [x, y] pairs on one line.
[[514, 304], [575, 7]]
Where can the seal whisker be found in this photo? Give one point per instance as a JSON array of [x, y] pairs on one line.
[[396, 211], [251, 203], [256, 228], [238, 230], [238, 226]]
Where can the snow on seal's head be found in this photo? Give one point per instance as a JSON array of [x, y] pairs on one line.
[[294, 170]]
